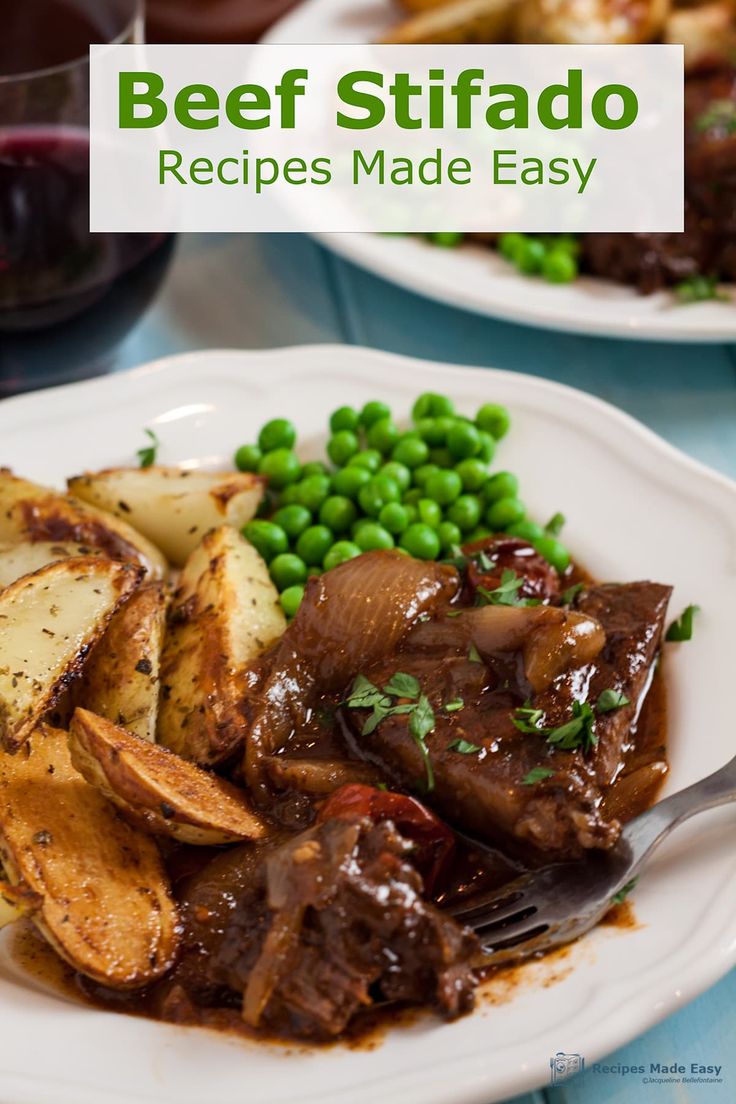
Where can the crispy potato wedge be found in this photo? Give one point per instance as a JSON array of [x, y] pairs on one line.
[[48, 623], [105, 901], [708, 33], [173, 508], [121, 678], [225, 613], [158, 790], [17, 902], [590, 22], [464, 21], [32, 513], [17, 560]]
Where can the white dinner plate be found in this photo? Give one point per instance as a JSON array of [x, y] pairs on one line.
[[476, 278], [636, 509]]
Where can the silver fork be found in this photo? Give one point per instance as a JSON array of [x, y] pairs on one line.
[[558, 903]]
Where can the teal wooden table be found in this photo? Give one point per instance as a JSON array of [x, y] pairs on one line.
[[267, 291]]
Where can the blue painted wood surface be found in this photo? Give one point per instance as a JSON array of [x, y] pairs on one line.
[[257, 292]]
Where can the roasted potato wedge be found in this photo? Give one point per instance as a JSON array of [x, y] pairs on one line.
[[225, 612], [121, 678], [17, 902], [708, 33], [105, 901], [590, 22], [50, 620], [173, 508], [32, 513], [158, 790], [464, 21], [17, 560]]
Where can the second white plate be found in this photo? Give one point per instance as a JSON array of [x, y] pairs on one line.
[[478, 279]]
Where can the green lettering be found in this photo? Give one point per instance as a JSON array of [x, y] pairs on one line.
[[246, 98], [629, 106], [572, 92], [373, 106], [197, 97], [129, 99]]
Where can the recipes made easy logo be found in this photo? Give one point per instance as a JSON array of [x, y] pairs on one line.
[[387, 138], [563, 1066]]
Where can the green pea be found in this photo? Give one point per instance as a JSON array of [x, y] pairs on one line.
[[370, 459], [559, 267], [473, 474], [481, 532], [412, 496], [280, 467], [442, 457], [372, 412], [434, 430], [288, 570], [348, 481], [376, 494], [444, 486], [398, 472], [463, 440], [421, 541], [268, 539], [431, 405], [487, 447], [554, 552], [340, 553], [412, 513], [277, 434], [314, 544], [288, 496], [247, 458], [509, 245], [312, 491], [429, 512], [501, 485], [345, 417], [465, 512], [337, 513], [383, 435], [530, 256], [422, 473], [293, 519], [448, 239], [314, 467], [341, 446], [505, 512], [394, 517], [410, 451], [494, 419], [291, 599], [449, 534], [527, 530], [372, 537]]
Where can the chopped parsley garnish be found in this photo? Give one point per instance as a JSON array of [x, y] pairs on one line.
[[610, 701], [536, 774], [464, 747], [506, 593], [528, 720], [555, 525], [474, 654], [623, 893], [454, 706], [366, 695], [719, 115], [569, 595], [698, 289], [147, 455], [578, 732], [682, 629]]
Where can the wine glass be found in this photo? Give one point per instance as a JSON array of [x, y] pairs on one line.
[[67, 297]]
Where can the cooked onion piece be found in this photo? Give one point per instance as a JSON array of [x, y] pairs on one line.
[[50, 620], [225, 613], [160, 791], [105, 902], [590, 22], [32, 513], [318, 776], [171, 507], [121, 678], [17, 902], [17, 560]]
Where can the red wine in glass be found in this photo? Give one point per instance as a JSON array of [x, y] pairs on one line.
[[67, 296]]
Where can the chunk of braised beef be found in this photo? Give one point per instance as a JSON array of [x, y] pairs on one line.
[[346, 925], [489, 557]]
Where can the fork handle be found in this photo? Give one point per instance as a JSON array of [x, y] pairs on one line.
[[648, 830]]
